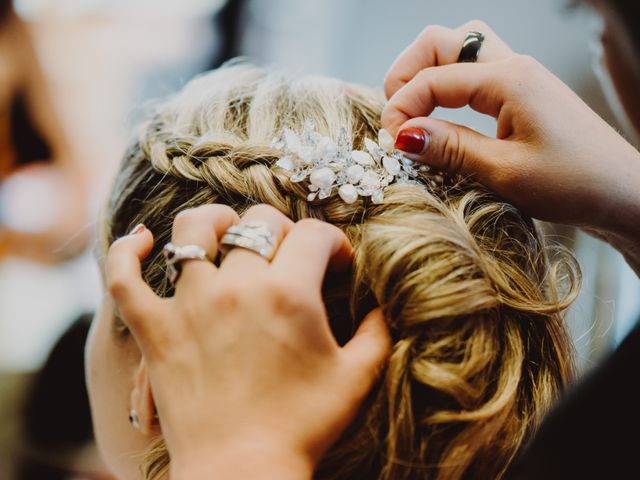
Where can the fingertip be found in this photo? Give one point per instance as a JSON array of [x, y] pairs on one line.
[[375, 324], [342, 251], [139, 228], [140, 239], [371, 344], [123, 262], [413, 140], [392, 118], [441, 145]]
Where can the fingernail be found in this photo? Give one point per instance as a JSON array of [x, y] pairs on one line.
[[413, 140], [139, 228]]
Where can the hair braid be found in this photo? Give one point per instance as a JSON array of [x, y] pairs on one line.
[[472, 299]]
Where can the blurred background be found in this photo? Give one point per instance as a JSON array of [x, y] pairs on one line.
[[75, 76]]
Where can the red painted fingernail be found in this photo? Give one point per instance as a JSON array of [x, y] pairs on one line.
[[413, 140], [139, 228]]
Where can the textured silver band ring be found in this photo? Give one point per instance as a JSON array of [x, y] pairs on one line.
[[253, 236], [175, 255], [471, 47]]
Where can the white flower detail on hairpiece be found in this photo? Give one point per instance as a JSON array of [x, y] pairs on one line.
[[329, 165]]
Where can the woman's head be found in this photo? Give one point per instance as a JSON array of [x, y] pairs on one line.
[[469, 292]]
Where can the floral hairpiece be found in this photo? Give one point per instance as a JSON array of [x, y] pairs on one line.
[[354, 173]]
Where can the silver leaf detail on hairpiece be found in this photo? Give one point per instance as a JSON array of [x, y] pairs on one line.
[[330, 165]]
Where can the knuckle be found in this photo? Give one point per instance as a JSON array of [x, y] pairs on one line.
[[267, 213], [263, 211], [184, 218], [286, 299], [420, 83], [424, 75], [314, 226], [478, 25], [278, 290], [453, 152], [228, 296], [432, 33], [117, 285], [218, 210]]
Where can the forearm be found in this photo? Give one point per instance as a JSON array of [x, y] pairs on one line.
[[622, 231], [620, 226]]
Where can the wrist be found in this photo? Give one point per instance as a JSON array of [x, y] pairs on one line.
[[621, 217]]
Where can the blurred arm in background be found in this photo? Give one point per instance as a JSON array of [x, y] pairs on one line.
[[33, 146]]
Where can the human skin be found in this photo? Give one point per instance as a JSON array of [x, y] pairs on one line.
[[552, 156], [270, 379], [112, 359]]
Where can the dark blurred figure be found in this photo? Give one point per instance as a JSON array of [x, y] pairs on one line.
[[57, 435], [593, 432], [32, 142], [229, 21]]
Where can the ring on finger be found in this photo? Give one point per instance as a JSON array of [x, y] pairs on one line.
[[471, 47], [175, 255], [254, 236]]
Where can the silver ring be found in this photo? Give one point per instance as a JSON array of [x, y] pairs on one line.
[[253, 236], [175, 255]]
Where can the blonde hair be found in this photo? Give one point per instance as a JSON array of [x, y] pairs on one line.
[[472, 296]]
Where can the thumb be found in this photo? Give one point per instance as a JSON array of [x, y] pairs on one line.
[[450, 148], [368, 350]]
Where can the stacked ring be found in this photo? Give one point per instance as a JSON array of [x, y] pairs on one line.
[[253, 236], [175, 255]]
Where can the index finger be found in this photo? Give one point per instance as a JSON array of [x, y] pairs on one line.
[[436, 46], [479, 85], [134, 299], [309, 249]]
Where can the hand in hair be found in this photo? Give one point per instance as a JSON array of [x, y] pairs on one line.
[[246, 374], [553, 157]]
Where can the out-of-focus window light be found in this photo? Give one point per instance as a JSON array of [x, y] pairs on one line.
[[31, 202], [78, 8]]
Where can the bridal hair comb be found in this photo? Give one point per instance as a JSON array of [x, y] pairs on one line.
[[329, 165]]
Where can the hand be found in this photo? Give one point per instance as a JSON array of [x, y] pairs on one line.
[[245, 372], [553, 157]]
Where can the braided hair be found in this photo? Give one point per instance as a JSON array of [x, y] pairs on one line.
[[472, 295]]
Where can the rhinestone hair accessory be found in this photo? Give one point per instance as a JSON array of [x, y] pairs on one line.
[[328, 165]]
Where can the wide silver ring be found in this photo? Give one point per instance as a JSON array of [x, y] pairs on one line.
[[175, 255], [253, 236]]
